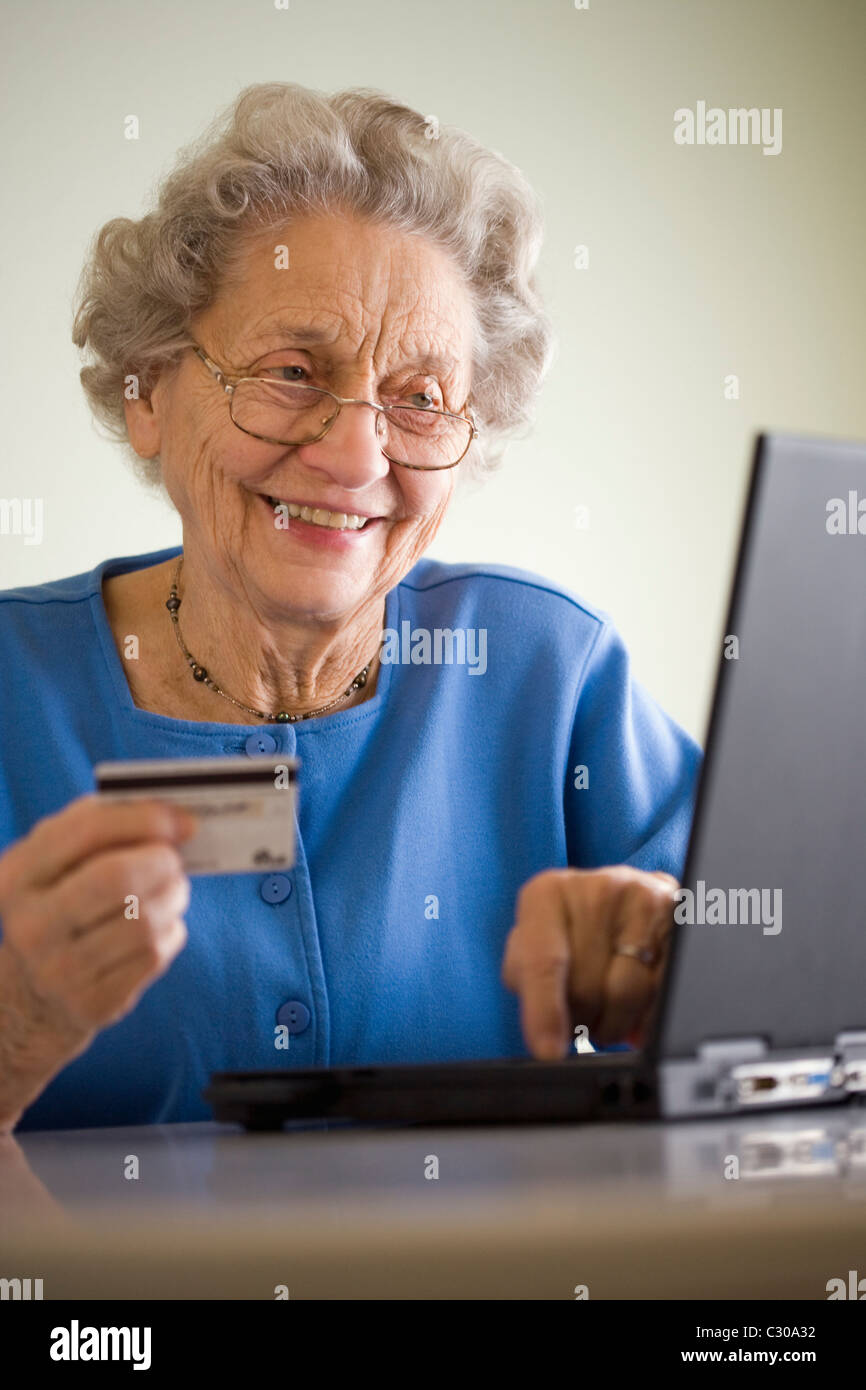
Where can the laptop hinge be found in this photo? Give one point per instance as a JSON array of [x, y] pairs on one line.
[[732, 1050]]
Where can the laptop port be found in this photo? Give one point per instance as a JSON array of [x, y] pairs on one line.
[[780, 1083], [750, 1084]]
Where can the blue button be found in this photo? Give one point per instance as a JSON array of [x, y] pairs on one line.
[[275, 888], [294, 1015], [260, 742]]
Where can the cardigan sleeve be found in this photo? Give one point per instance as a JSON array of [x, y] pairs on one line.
[[632, 776]]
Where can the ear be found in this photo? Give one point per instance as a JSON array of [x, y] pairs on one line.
[[145, 410], [143, 423]]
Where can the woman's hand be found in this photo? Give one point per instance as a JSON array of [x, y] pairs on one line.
[[573, 954], [91, 904]]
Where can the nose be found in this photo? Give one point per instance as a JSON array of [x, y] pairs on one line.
[[350, 452]]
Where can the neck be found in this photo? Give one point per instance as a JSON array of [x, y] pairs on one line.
[[264, 659]]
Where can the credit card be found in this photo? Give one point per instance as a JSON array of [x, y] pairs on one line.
[[245, 806]]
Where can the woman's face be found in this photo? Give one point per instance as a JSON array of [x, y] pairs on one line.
[[366, 311]]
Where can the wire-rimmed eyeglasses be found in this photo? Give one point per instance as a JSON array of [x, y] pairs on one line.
[[290, 413]]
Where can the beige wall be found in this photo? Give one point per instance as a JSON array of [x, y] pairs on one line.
[[704, 261]]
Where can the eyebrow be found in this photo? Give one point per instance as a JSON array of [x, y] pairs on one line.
[[302, 334], [299, 332]]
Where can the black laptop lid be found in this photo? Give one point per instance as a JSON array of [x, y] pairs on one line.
[[782, 802]]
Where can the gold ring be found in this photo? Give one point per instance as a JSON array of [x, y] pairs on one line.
[[647, 955]]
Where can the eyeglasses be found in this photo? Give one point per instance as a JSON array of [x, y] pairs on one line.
[[287, 412]]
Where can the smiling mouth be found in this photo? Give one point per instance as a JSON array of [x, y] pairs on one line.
[[317, 516]]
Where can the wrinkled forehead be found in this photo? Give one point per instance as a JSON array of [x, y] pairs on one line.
[[346, 287]]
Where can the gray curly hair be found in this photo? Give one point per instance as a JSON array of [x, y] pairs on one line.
[[282, 149]]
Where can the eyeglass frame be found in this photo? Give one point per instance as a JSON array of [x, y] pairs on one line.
[[229, 381]]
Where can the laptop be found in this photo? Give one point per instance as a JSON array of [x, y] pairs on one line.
[[763, 1003]]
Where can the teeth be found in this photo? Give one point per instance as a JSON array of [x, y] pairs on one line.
[[334, 521]]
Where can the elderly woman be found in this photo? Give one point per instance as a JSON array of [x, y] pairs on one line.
[[327, 317]]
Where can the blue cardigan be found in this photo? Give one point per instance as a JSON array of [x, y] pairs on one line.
[[421, 814]]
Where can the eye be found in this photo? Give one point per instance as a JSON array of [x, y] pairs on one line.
[[424, 400], [284, 371], [288, 368]]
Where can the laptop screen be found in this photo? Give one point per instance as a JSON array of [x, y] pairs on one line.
[[771, 938]]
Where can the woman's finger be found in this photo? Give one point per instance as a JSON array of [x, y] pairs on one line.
[[644, 922], [536, 965], [594, 908], [61, 842]]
